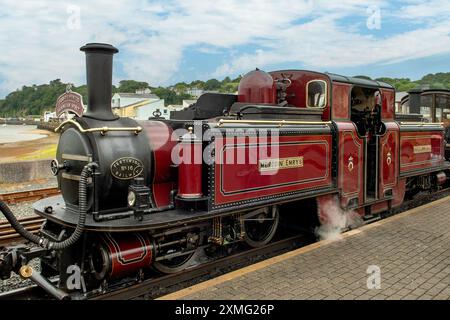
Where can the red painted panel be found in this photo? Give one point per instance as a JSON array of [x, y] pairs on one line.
[[415, 153], [388, 158], [246, 181], [388, 107], [340, 108], [128, 252], [380, 206], [351, 163], [159, 135], [161, 192]]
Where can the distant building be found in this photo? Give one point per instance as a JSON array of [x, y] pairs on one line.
[[195, 92], [144, 109], [51, 116], [398, 101], [144, 91], [120, 100], [48, 115], [141, 105]]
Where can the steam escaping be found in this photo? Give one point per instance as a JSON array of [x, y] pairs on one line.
[[335, 220]]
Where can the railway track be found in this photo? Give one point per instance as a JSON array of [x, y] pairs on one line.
[[155, 287], [31, 195], [8, 235]]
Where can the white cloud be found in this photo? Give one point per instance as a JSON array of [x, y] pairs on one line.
[[434, 9], [152, 36]]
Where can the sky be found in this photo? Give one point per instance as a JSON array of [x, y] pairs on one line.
[[169, 41]]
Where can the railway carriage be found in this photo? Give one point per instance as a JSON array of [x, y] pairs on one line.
[[139, 196], [433, 105]]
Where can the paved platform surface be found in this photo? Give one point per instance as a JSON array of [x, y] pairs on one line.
[[411, 250]]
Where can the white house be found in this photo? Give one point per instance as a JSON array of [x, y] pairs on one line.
[[196, 92], [120, 100], [152, 109], [141, 105]]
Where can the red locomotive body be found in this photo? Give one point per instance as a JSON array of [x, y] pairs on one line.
[[153, 193], [306, 161]]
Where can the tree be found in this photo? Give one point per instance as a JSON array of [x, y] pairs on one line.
[[226, 80], [170, 96], [197, 84], [212, 84], [131, 86]]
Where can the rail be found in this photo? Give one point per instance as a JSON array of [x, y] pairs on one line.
[[8, 235]]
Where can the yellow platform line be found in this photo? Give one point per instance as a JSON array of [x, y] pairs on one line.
[[271, 261]]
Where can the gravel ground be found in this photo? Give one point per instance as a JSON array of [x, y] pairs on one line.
[[23, 209], [20, 210], [16, 281]]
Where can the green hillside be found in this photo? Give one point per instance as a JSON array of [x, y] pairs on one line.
[[439, 80], [38, 98]]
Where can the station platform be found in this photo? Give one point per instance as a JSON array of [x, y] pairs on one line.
[[406, 256]]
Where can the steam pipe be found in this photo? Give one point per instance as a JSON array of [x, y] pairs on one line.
[[75, 236], [99, 62]]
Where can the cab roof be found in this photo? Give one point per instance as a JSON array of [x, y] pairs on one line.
[[359, 81]]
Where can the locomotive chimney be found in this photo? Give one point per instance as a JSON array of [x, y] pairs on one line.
[[99, 58]]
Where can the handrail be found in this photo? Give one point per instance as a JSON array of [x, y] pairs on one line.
[[102, 130], [280, 123], [410, 123]]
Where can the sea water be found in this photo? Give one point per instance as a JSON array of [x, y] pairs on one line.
[[15, 133]]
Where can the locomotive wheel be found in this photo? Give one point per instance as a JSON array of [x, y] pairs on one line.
[[174, 265], [260, 229], [179, 261]]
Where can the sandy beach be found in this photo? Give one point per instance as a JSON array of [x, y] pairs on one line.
[[42, 146]]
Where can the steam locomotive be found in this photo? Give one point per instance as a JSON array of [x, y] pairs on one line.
[[139, 196]]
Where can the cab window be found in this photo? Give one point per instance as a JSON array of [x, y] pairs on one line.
[[442, 108], [316, 94]]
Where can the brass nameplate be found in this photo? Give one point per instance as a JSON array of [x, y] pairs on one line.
[[282, 163], [422, 149]]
